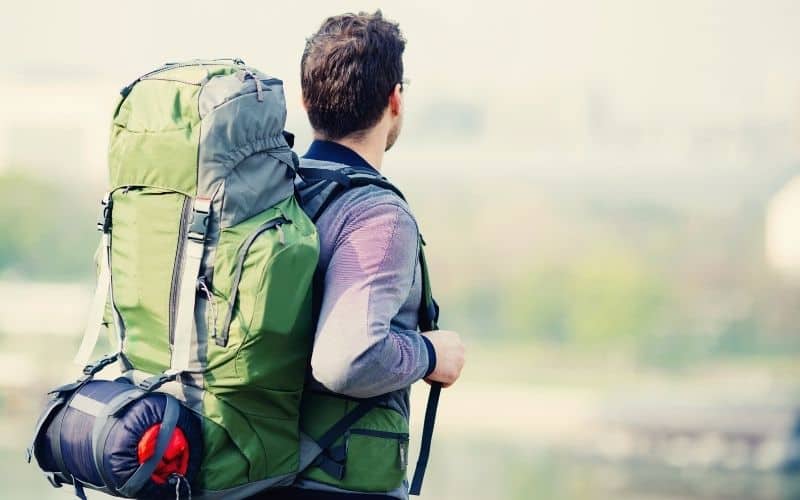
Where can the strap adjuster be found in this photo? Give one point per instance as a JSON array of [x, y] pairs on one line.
[[51, 477], [198, 225], [104, 219], [92, 368], [330, 466], [156, 381]]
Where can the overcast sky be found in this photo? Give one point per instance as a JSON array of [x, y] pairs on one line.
[[539, 70], [654, 52]]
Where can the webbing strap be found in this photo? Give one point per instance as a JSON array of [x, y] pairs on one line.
[[102, 293], [427, 439], [56, 401], [142, 474], [79, 493], [428, 321], [102, 427], [185, 328]]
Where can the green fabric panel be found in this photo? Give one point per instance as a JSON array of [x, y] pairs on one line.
[[257, 379], [273, 310], [144, 239], [154, 137], [373, 463], [224, 461], [273, 417]]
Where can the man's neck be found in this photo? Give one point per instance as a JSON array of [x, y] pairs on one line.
[[370, 147]]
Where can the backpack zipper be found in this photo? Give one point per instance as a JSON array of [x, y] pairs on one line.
[[176, 269], [276, 223], [168, 66], [400, 436]]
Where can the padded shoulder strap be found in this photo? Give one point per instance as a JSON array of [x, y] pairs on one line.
[[322, 186]]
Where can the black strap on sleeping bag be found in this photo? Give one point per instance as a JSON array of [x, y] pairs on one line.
[[59, 397], [142, 474], [322, 187]]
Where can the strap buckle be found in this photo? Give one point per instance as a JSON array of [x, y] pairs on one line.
[[92, 368], [104, 219], [330, 466], [198, 225], [51, 477], [152, 383]]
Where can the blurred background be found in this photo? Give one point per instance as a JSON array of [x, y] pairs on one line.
[[609, 195]]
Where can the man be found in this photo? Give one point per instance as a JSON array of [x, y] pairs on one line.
[[367, 341]]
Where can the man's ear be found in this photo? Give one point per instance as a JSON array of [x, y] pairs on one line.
[[396, 101], [304, 103]]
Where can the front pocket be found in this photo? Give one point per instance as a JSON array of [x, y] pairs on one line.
[[376, 460], [375, 448], [276, 224], [259, 305], [145, 242]]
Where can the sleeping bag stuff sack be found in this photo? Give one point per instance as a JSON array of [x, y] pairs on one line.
[[204, 284], [119, 439]]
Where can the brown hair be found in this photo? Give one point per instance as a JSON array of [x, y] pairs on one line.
[[349, 68]]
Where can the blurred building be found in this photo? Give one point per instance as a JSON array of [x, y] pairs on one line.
[[783, 231]]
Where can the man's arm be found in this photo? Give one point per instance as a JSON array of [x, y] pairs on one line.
[[357, 352]]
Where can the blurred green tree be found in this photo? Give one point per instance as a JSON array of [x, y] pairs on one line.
[[47, 233]]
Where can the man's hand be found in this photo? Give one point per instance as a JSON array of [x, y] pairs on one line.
[[449, 356]]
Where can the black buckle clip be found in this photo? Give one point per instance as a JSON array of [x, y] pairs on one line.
[[330, 467], [333, 460], [92, 368], [104, 219], [51, 477], [199, 224], [156, 381]]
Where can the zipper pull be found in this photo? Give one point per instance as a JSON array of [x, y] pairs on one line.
[[281, 236], [403, 454], [248, 73], [203, 287]]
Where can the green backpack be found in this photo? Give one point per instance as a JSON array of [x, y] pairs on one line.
[[206, 263], [205, 272]]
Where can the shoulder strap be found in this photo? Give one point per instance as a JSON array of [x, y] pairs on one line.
[[320, 188]]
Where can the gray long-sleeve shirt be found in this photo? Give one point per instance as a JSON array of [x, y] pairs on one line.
[[367, 341]]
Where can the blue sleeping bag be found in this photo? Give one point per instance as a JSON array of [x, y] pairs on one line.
[[93, 434]]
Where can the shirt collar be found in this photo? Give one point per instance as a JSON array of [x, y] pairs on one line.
[[337, 153]]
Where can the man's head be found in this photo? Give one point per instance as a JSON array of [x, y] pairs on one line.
[[351, 75]]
